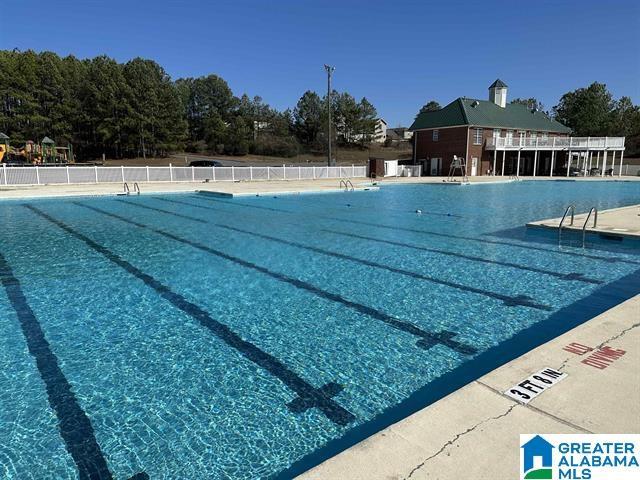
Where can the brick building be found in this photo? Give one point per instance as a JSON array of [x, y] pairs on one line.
[[500, 138]]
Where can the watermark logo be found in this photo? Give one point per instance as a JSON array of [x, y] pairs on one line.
[[579, 457]]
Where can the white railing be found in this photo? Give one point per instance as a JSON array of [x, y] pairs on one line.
[[77, 174], [558, 142]]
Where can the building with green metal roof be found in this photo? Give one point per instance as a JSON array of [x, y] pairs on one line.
[[530, 142]]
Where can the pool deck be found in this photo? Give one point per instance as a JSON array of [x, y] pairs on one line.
[[474, 432], [623, 221]]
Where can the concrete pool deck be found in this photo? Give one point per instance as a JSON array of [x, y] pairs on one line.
[[474, 432], [623, 221]]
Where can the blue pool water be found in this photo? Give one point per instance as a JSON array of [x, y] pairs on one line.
[[189, 336]]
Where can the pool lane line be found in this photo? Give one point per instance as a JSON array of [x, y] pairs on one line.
[[75, 427], [180, 202], [574, 276], [426, 339], [425, 232], [168, 212], [308, 396], [510, 301]]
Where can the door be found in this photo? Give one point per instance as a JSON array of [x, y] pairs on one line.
[[474, 166], [436, 164]]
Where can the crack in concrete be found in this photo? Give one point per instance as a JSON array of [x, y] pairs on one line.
[[615, 337], [456, 437]]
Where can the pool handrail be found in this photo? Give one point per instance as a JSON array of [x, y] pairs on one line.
[[571, 208], [593, 210], [126, 189]]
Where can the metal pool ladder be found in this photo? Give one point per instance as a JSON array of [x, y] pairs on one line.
[[136, 188], [593, 210], [572, 209], [347, 184]]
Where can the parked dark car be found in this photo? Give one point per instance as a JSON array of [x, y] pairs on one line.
[[205, 163]]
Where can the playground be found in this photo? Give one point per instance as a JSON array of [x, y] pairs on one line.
[[45, 152]]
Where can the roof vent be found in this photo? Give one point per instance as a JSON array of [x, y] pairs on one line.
[[475, 103]]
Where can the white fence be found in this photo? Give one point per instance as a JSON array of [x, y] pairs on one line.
[[77, 174]]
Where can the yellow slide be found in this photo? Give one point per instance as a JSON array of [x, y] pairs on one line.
[[2, 152]]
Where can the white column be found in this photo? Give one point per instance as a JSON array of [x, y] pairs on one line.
[[495, 156], [96, 172], [613, 162], [569, 162], [518, 165], [504, 154], [621, 157], [590, 160], [553, 157], [604, 163], [535, 161]]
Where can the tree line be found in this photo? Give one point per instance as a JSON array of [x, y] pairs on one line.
[[589, 112], [135, 109]]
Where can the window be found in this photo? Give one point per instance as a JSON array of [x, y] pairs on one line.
[[496, 133], [477, 136], [436, 134]]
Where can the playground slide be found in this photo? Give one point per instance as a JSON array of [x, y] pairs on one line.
[[1, 153]]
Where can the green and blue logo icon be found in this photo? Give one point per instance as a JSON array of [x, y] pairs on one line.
[[537, 459]]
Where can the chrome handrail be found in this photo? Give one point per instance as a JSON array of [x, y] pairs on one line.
[[593, 210], [136, 188], [571, 208], [126, 189]]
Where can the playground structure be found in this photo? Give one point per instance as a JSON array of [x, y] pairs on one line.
[[44, 153]]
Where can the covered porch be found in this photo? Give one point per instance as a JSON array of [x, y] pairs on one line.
[[555, 156]]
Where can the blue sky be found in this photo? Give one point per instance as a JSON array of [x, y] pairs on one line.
[[397, 54]]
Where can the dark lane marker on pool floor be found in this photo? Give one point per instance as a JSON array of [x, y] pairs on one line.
[[308, 395], [168, 212], [427, 339], [580, 277], [75, 427], [205, 196], [519, 300]]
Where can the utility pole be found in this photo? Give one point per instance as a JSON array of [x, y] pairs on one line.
[[329, 70]]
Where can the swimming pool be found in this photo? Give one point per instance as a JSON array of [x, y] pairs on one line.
[[192, 336]]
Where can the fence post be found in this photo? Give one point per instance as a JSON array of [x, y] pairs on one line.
[[268, 172], [353, 171], [122, 170], [213, 169], [95, 167], [68, 179], [193, 173], [37, 175], [299, 172], [284, 171], [4, 170], [233, 173], [148, 177], [170, 172], [250, 172], [314, 172]]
